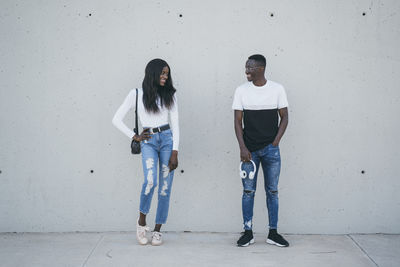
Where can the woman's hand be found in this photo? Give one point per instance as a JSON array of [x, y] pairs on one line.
[[145, 135], [173, 161]]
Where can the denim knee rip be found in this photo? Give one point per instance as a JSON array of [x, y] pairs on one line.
[[165, 173], [150, 180]]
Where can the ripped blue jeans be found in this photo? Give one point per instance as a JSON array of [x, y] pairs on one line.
[[157, 151], [270, 160]]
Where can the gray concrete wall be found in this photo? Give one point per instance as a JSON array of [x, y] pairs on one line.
[[66, 66]]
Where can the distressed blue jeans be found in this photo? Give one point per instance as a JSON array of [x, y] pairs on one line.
[[157, 151], [270, 160]]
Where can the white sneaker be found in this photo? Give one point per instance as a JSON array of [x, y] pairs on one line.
[[141, 233], [156, 239]]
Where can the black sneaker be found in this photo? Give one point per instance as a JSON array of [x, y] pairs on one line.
[[276, 239], [246, 239]]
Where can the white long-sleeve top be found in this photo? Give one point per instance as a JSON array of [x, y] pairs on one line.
[[148, 119]]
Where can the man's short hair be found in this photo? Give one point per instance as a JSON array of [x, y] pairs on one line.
[[259, 59]]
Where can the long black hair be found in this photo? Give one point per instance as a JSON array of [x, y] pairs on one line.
[[152, 88]]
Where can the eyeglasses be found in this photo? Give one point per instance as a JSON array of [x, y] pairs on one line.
[[252, 68]]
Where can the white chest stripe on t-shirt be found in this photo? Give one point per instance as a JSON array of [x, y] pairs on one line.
[[260, 107]]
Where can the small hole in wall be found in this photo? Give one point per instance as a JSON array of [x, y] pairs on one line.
[[90, 14], [182, 171], [363, 14], [91, 171], [271, 15], [362, 171], [180, 15], [0, 171]]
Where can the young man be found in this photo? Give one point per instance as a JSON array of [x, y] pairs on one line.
[[258, 104]]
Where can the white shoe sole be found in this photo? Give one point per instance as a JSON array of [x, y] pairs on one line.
[[248, 243], [272, 242]]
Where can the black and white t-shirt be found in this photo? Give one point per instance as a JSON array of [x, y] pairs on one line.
[[260, 106]]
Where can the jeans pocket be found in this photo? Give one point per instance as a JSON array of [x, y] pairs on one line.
[[167, 134]]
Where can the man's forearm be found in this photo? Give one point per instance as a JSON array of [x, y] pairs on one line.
[[282, 125], [239, 135], [281, 130], [238, 117]]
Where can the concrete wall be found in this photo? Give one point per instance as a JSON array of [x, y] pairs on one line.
[[66, 66]]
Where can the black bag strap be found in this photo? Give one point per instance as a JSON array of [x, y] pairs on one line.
[[136, 117]]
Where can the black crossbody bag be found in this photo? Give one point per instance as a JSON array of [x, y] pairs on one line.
[[135, 145]]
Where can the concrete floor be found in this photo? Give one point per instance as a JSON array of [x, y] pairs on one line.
[[196, 249]]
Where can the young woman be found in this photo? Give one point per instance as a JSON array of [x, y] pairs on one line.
[[156, 102]]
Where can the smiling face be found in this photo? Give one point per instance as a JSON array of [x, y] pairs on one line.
[[253, 70], [164, 76]]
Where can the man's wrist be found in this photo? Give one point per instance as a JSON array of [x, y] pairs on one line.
[[243, 147]]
